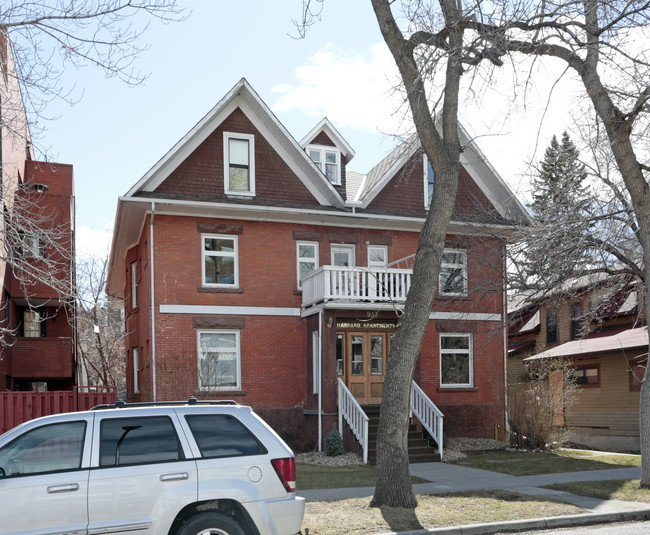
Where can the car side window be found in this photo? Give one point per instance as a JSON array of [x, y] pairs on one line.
[[128, 441], [50, 448], [223, 435]]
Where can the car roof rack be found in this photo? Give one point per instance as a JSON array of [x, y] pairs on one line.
[[120, 404]]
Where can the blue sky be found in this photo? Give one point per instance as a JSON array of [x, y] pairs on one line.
[[341, 70]]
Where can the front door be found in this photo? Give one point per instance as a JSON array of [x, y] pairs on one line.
[[365, 365]]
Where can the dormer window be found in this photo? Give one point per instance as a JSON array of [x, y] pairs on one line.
[[328, 161], [239, 164]]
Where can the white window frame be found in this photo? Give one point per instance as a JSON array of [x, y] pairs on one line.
[[236, 350], [453, 265], [305, 259], [470, 353], [377, 265], [205, 253], [134, 284], [425, 175], [32, 245], [227, 136], [322, 150], [135, 357], [343, 247]]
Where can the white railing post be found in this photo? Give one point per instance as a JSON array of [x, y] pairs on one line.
[[428, 414], [355, 417]]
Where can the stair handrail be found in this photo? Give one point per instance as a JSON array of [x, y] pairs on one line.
[[428, 414], [355, 417]]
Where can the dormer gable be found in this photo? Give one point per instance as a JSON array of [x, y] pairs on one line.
[[404, 180], [330, 153]]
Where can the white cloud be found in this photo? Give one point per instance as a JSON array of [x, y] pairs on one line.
[[93, 242], [351, 88], [355, 89]]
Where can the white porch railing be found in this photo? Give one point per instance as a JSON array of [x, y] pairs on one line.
[[428, 414], [421, 406], [356, 284], [350, 409]]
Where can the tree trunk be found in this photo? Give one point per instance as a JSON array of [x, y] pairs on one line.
[[393, 479]]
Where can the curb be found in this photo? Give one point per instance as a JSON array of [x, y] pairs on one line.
[[531, 524]]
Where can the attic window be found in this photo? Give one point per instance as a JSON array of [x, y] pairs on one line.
[[40, 188], [429, 181], [239, 164], [328, 161]]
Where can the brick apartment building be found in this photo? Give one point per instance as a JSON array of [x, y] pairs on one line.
[[38, 343], [256, 268]]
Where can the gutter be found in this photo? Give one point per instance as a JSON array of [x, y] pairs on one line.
[[153, 303]]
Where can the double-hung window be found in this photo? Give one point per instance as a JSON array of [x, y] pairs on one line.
[[219, 359], [239, 164], [456, 360], [134, 284], [328, 161], [307, 259], [453, 273], [220, 265]]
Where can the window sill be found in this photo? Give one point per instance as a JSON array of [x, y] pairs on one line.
[[207, 393], [297, 292], [208, 289], [447, 298], [457, 389]]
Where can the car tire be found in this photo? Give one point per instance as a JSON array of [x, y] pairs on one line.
[[210, 524]]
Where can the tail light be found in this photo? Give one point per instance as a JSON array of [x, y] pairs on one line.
[[286, 470]]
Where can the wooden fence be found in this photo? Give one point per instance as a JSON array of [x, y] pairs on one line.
[[19, 407]]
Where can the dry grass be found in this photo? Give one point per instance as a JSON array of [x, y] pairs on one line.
[[627, 490], [354, 517], [539, 462]]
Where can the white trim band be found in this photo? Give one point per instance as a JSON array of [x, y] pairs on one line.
[[229, 310], [466, 316]]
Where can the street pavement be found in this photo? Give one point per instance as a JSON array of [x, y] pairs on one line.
[[446, 478]]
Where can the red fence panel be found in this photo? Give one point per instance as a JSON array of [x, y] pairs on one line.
[[19, 407]]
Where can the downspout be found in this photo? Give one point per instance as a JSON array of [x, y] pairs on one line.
[[504, 293], [153, 303], [320, 380]]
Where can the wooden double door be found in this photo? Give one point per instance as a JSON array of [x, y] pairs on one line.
[[362, 362]]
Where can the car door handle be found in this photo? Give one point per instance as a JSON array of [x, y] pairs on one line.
[[70, 487], [180, 476]]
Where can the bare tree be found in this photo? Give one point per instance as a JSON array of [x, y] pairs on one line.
[[599, 42], [100, 327]]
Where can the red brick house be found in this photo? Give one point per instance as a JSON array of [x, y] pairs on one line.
[[257, 268], [37, 349]]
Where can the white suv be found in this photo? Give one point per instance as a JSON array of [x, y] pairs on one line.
[[179, 468]]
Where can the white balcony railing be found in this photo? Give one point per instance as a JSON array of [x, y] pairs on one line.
[[356, 284]]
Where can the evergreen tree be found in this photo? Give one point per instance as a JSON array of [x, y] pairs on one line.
[[559, 193], [556, 247]]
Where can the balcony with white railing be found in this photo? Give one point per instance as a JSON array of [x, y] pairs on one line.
[[356, 284]]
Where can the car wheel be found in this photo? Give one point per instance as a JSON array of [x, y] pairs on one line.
[[210, 524]]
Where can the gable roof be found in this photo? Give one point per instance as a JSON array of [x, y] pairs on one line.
[[332, 133], [471, 158], [244, 97]]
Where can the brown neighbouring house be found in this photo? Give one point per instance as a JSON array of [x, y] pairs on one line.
[[598, 324], [257, 268]]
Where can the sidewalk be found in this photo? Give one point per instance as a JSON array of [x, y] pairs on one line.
[[446, 478]]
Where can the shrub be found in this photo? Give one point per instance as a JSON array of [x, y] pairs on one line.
[[334, 444], [537, 409]]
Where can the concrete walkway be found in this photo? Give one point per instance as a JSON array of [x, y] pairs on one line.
[[445, 478]]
